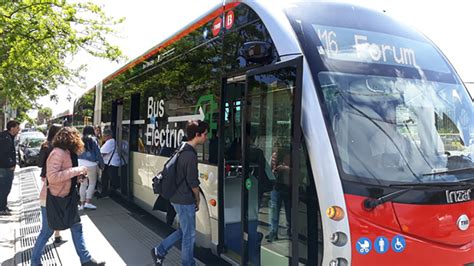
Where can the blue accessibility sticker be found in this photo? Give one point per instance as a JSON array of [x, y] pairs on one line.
[[381, 244], [363, 245], [398, 243]]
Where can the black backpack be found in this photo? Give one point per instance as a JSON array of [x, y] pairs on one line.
[[164, 183]]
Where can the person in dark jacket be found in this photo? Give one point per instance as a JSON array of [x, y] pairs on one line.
[[45, 150], [7, 163], [186, 198]]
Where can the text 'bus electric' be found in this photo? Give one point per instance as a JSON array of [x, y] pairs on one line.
[[338, 135]]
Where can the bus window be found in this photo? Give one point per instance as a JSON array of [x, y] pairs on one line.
[[269, 122], [247, 28], [84, 109]]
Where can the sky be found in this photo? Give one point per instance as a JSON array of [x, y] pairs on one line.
[[147, 23]]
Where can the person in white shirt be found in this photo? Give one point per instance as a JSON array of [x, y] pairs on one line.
[[111, 157]]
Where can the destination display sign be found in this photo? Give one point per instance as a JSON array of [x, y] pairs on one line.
[[357, 45]]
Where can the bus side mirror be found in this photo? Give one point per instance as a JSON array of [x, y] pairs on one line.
[[257, 52]]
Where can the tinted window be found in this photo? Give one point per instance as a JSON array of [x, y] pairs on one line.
[[247, 28], [181, 82], [84, 109]]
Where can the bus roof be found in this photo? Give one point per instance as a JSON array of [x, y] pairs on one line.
[[208, 16]]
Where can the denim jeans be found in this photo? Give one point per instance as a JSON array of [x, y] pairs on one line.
[[186, 233], [46, 233], [6, 180], [277, 197]]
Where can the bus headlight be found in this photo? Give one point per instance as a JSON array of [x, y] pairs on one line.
[[338, 239], [338, 262]]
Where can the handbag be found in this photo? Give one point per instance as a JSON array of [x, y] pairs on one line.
[[62, 212]]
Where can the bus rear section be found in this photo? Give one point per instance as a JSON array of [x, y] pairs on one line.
[[400, 124]]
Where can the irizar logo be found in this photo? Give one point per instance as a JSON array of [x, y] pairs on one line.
[[458, 195]]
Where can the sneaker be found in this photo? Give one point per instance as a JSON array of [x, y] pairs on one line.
[[93, 262], [90, 206], [58, 239], [81, 207], [158, 260]]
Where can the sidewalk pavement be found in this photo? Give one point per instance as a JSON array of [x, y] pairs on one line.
[[110, 232]]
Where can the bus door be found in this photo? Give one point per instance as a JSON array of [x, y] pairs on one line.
[[271, 146], [261, 130], [231, 174], [121, 127]]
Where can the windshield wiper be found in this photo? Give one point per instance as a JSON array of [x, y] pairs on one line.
[[466, 182], [460, 170], [370, 203]]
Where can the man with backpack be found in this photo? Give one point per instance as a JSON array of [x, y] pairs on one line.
[[185, 199]]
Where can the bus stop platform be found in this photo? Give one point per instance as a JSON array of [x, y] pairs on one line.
[[112, 232]]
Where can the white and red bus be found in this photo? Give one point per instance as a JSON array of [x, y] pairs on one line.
[[63, 119], [338, 135]]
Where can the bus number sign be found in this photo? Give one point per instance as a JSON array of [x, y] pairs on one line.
[[329, 41], [229, 20], [357, 45], [216, 26]]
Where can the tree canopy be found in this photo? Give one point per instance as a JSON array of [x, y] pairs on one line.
[[45, 113], [39, 37]]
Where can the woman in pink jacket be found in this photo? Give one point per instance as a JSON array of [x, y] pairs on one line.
[[59, 174]]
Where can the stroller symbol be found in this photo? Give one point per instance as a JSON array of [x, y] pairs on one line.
[[364, 246]]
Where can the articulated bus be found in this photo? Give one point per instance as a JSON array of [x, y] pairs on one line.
[[338, 135], [64, 119]]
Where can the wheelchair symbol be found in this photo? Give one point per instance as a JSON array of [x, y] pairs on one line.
[[363, 246], [398, 243]]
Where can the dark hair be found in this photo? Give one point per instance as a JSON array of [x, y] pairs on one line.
[[68, 138], [53, 130], [11, 124], [87, 137], [196, 127], [107, 132], [88, 130]]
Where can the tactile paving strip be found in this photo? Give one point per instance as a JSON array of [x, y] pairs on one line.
[[30, 224]]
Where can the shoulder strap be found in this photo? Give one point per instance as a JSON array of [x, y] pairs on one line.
[[112, 155], [181, 150]]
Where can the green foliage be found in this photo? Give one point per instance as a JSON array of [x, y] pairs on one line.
[[22, 115], [46, 112], [39, 37]]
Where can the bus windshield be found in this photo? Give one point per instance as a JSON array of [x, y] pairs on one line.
[[394, 107], [399, 130]]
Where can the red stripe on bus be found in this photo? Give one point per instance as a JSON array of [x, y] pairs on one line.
[[176, 38]]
